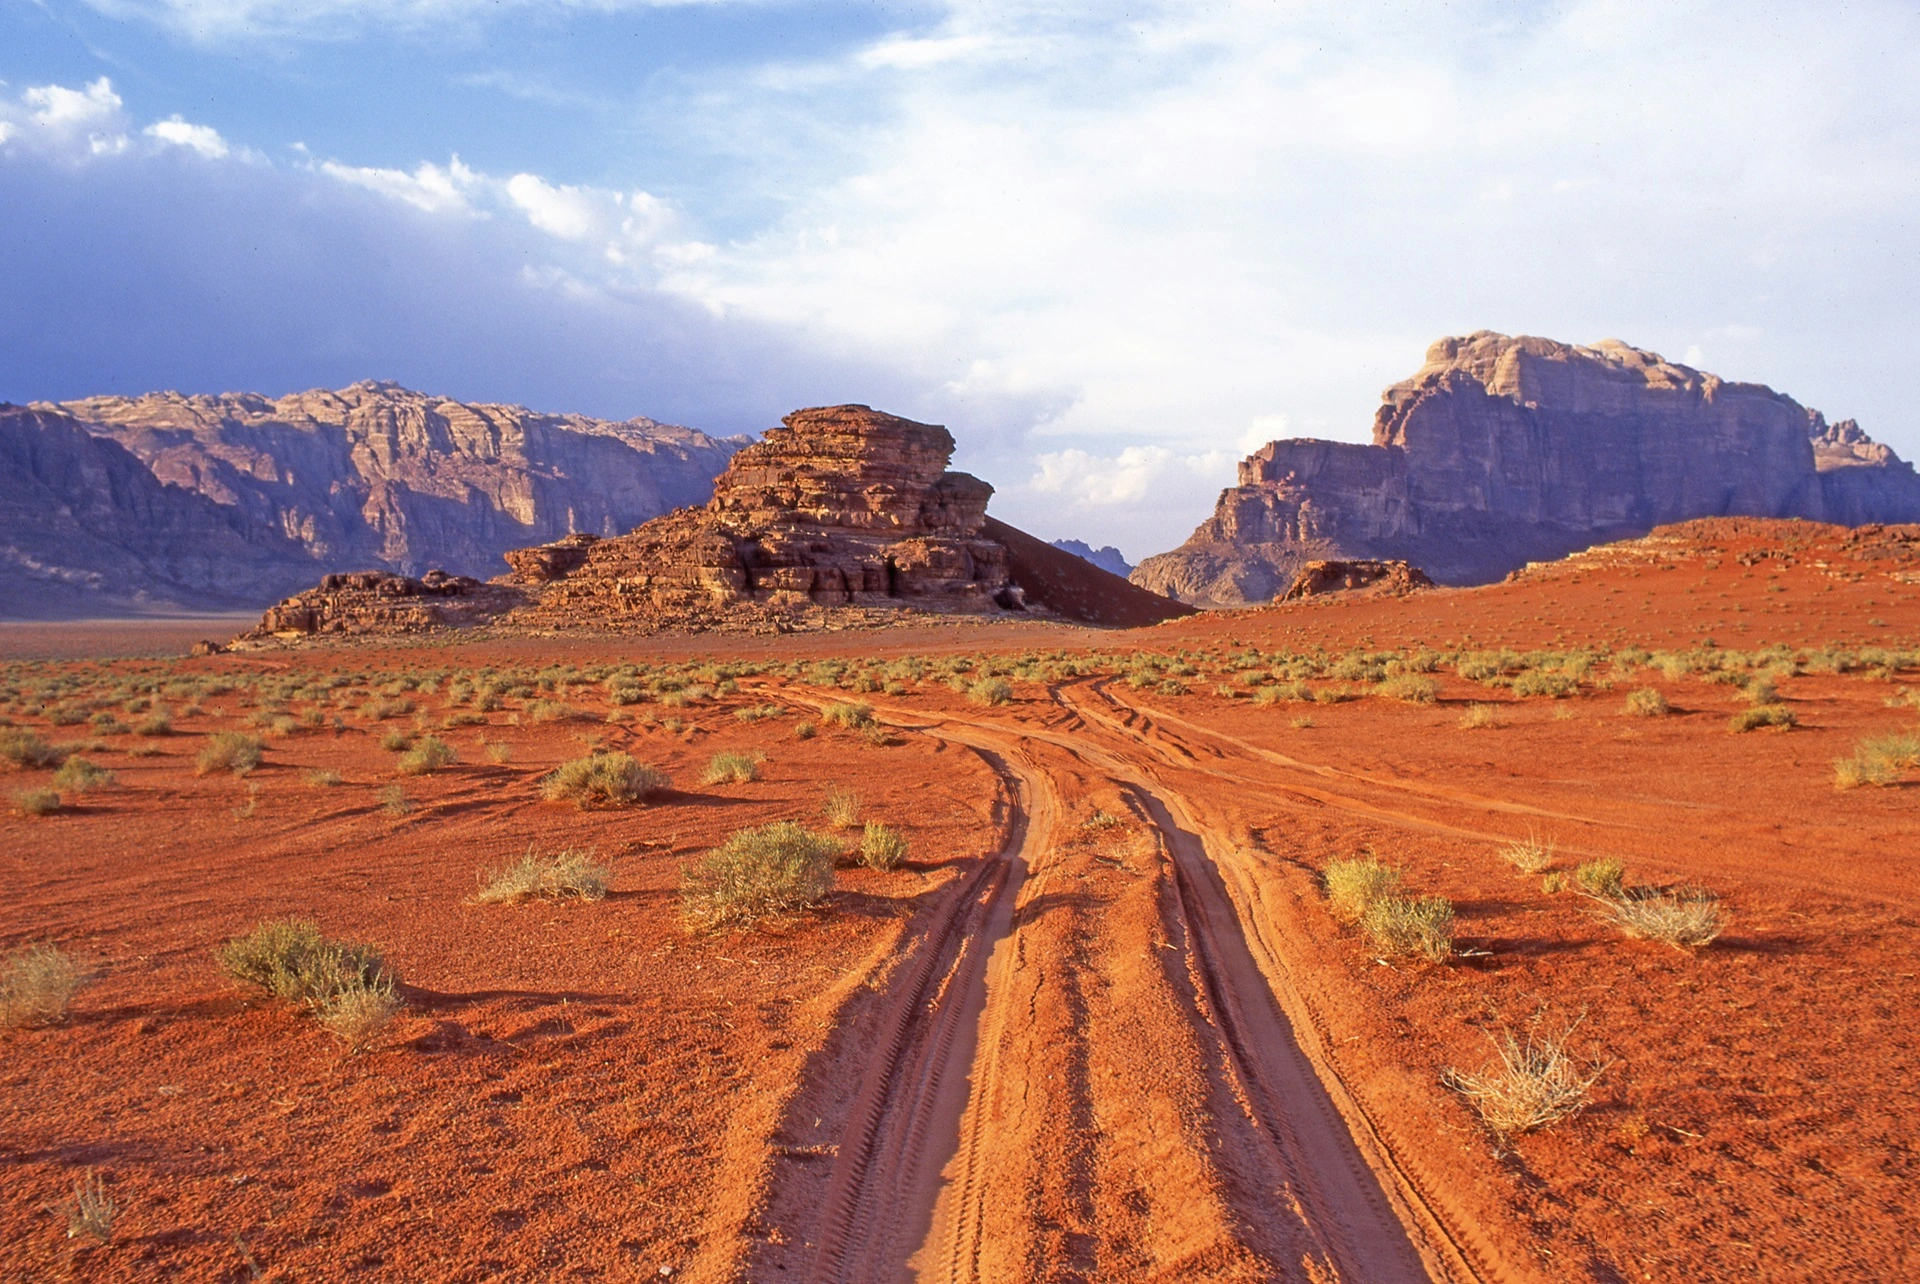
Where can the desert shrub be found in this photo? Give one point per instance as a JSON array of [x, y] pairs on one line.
[[1761, 691], [1354, 884], [1358, 668], [396, 741], [1410, 687], [551, 711], [847, 713], [990, 691], [156, 723], [1877, 760], [612, 779], [229, 751], [382, 709], [37, 985], [1553, 884], [317, 778], [1481, 717], [757, 874], [66, 716], [426, 757], [882, 847], [77, 775], [1529, 855], [1534, 682], [92, 1210], [841, 807], [394, 801], [1529, 1086], [1282, 691], [499, 751], [1647, 703], [289, 959], [1420, 925], [730, 766], [803, 730], [37, 802], [357, 1016], [1603, 876], [1686, 919], [1482, 666], [567, 873], [759, 712], [26, 749], [1762, 715]]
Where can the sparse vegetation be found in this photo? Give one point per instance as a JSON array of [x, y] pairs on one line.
[[1481, 717], [841, 807], [92, 1210], [1685, 919], [602, 779], [1529, 855], [1530, 1085], [348, 986], [315, 778], [1647, 703], [426, 757], [36, 802], [566, 873], [25, 749], [1878, 760], [37, 985], [396, 741], [757, 874], [882, 847], [356, 1017], [394, 801], [1355, 884], [1763, 715], [990, 691], [77, 775], [803, 730], [1420, 925], [229, 751], [1604, 876], [1411, 688], [731, 766]]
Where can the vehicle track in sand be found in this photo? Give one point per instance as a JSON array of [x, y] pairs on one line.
[[960, 1088]]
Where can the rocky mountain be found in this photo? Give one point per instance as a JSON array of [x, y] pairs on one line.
[[1502, 451], [843, 514], [370, 476], [1107, 557]]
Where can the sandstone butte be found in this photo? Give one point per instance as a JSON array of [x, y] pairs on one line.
[[843, 514], [1505, 450], [115, 503]]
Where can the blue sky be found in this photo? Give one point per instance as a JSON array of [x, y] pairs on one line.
[[1113, 246]]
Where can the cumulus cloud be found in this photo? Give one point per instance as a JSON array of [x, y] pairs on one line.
[[200, 138], [428, 187]]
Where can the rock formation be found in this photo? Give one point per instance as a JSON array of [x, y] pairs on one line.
[[1107, 558], [377, 476], [381, 602], [1501, 451], [1380, 578]]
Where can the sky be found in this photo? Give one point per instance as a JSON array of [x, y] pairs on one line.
[[1112, 246]]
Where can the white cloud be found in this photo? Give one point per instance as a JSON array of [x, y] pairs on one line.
[[200, 138], [56, 107], [570, 213], [1125, 478], [1262, 429], [428, 187], [7, 130]]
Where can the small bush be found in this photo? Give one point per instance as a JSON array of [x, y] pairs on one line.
[[394, 801], [357, 1016], [37, 985], [37, 802], [499, 751], [77, 775], [990, 691], [849, 714], [1686, 919], [1605, 876], [319, 779], [610, 779], [1763, 715], [155, 724], [1553, 884], [396, 741], [841, 807], [291, 960], [1532, 1085], [1761, 691], [803, 730], [569, 873], [426, 757], [757, 874], [229, 751], [732, 767], [1529, 855], [1353, 885], [26, 749], [1411, 925], [1554, 686], [1410, 687], [551, 711], [881, 847], [1481, 717], [381, 709], [1877, 760], [1647, 703]]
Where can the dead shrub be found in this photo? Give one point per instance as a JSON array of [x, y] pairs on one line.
[[841, 807], [1685, 919], [1355, 884], [758, 874], [1481, 717], [1411, 925], [1529, 855], [609, 779], [1530, 1085], [37, 985], [882, 847], [556, 877], [91, 1211], [229, 751]]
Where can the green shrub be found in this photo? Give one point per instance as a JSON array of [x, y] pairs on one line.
[[1604, 876], [881, 847], [426, 757], [1552, 685], [1410, 687], [37, 985], [229, 751], [396, 741], [757, 874], [612, 779], [290, 959], [77, 775], [1763, 715], [1356, 883], [26, 749], [730, 766], [1411, 925], [569, 873], [1647, 703], [990, 691]]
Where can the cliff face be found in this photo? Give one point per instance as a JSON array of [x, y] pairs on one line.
[[1501, 451], [377, 475], [85, 528]]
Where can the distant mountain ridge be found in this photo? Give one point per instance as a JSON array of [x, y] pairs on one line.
[[280, 490], [1107, 557], [1506, 450]]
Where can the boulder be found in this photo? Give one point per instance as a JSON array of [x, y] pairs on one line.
[[1384, 578]]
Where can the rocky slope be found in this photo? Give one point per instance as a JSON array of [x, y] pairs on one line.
[[842, 514], [378, 476], [1501, 451]]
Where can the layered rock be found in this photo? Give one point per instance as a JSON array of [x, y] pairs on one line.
[[1501, 451], [1384, 579], [381, 602], [375, 475]]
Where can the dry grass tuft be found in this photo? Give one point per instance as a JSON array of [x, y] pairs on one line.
[[356, 1017], [990, 691], [1763, 715], [229, 751], [730, 766], [1647, 703], [1604, 876], [37, 802], [1685, 919], [91, 1211], [77, 775], [1532, 1084], [1410, 687], [1354, 885], [1412, 925], [26, 749], [758, 874], [610, 779], [882, 847], [291, 960], [426, 757], [841, 807], [568, 873], [1877, 760], [1529, 855], [37, 985], [849, 714], [1481, 717]]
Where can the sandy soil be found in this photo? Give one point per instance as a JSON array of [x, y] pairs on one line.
[[1101, 1026]]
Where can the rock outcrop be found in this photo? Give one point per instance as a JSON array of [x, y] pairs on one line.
[[381, 602], [1384, 579], [1502, 451], [377, 476]]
